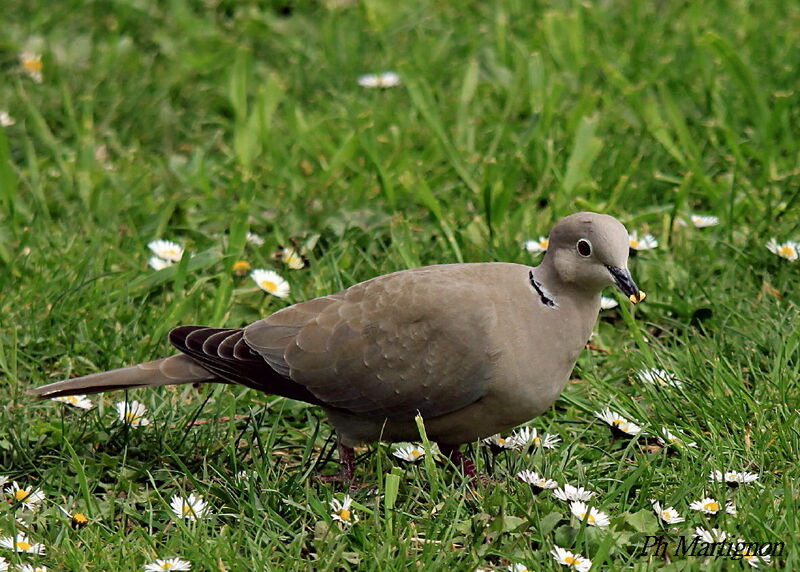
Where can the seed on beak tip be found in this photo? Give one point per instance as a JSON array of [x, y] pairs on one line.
[[641, 298]]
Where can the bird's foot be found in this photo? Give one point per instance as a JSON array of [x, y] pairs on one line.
[[467, 466], [347, 465]]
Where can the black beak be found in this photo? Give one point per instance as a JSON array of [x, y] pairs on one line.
[[623, 281]]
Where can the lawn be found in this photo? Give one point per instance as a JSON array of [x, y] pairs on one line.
[[201, 121]]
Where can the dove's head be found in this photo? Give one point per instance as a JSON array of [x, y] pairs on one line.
[[589, 251]]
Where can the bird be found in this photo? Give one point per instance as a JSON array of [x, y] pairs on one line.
[[473, 348]]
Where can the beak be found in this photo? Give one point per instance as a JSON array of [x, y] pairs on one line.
[[623, 281]]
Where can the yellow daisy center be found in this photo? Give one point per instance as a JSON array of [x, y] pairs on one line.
[[344, 514], [588, 517], [22, 545], [130, 417], [634, 244], [268, 286], [32, 65], [713, 505], [415, 453], [187, 510], [167, 566], [665, 514], [80, 518], [786, 251], [71, 399], [571, 560], [241, 266], [537, 440], [21, 494], [544, 243], [501, 441]]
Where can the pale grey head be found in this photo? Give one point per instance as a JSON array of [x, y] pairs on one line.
[[589, 251]]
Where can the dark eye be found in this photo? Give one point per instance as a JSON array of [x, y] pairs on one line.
[[584, 247]]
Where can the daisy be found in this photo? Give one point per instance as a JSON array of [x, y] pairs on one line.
[[28, 496], [171, 564], [132, 413], [410, 453], [31, 65], [620, 426], [713, 535], [527, 436], [341, 511], [607, 303], [77, 519], [517, 567], [572, 560], [570, 493], [31, 568], [671, 439], [166, 250], [537, 483], [3, 564], [669, 515], [539, 245], [703, 221], [646, 242], [292, 258], [706, 506], [733, 478], [381, 80], [731, 509], [191, 508], [254, 239], [749, 556], [240, 267], [658, 377], [5, 119], [3, 480], [498, 442], [21, 543], [270, 282], [790, 250], [157, 263], [79, 401], [591, 516]]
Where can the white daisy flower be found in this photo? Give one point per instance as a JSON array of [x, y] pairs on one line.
[[132, 413], [166, 250], [3, 480], [21, 543], [526, 436], [622, 426], [30, 497], [607, 303], [342, 512], [191, 508], [292, 258], [703, 221], [171, 564], [517, 567], [380, 80], [271, 282], [410, 453], [658, 377], [5, 119], [31, 568], [731, 509], [590, 515], [733, 478], [646, 242], [536, 246], [713, 535], [254, 239], [3, 564], [79, 401], [31, 64], [669, 515], [500, 442], [569, 493], [157, 263], [76, 519], [537, 483], [749, 556], [790, 250], [706, 505], [572, 560], [672, 439]]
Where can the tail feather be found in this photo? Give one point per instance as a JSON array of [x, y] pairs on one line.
[[173, 370]]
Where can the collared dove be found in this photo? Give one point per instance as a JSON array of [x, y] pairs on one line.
[[475, 349]]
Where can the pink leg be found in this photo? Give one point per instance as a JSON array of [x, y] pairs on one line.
[[347, 464]]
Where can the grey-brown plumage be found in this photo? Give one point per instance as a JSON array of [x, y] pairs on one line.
[[475, 348]]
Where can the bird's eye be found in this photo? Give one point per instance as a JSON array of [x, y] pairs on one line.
[[584, 247]]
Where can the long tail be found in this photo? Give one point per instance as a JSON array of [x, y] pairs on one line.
[[173, 370]]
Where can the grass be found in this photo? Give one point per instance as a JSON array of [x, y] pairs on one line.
[[198, 121]]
